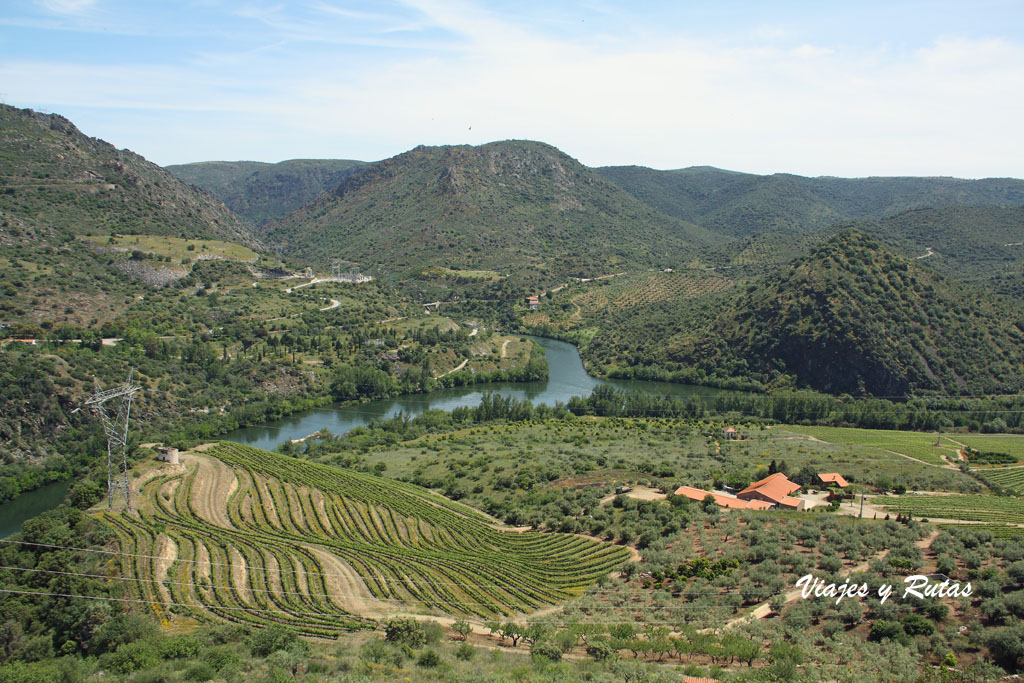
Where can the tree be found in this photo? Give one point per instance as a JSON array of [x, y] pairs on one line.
[[462, 629], [405, 631]]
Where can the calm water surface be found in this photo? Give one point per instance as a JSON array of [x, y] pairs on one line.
[[566, 379], [30, 504]]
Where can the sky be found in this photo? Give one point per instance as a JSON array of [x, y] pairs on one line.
[[828, 87]]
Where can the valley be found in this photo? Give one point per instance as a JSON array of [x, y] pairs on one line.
[[444, 414]]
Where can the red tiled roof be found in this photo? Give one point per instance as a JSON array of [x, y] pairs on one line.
[[834, 478], [775, 487], [721, 499]]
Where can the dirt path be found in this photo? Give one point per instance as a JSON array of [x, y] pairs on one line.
[[219, 482], [166, 552], [455, 369], [504, 347], [638, 492], [334, 304]]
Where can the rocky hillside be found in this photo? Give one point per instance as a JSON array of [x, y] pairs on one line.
[[54, 179], [498, 206]]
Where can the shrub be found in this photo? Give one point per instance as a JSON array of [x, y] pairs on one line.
[[465, 652], [547, 651], [428, 659], [405, 631]]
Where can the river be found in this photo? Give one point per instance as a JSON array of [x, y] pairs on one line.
[[566, 378], [28, 505]]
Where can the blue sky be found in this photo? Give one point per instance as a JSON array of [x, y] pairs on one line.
[[816, 88]]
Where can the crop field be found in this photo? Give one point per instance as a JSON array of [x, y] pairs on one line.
[[997, 530], [915, 444], [1013, 444], [254, 537], [176, 247], [1010, 478], [630, 292], [974, 508]]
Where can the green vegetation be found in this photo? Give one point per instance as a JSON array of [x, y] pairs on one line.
[[915, 444], [56, 181], [977, 507], [851, 317], [174, 247], [263, 192], [313, 548], [745, 204], [519, 204]]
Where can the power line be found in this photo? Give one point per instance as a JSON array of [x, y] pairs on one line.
[[257, 610], [293, 571], [375, 599]]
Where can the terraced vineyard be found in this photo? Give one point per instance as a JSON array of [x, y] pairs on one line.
[[255, 537], [976, 508]]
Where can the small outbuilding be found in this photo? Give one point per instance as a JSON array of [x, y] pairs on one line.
[[167, 454], [830, 479]]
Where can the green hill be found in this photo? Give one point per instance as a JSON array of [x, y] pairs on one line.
[[970, 242], [850, 317], [500, 206], [744, 204], [263, 192], [54, 181]]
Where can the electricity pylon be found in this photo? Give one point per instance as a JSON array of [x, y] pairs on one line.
[[116, 429]]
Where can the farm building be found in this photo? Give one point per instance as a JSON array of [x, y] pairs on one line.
[[773, 489], [721, 499], [533, 301], [730, 433], [829, 479]]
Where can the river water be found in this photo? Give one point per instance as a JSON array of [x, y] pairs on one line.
[[566, 378], [28, 505]]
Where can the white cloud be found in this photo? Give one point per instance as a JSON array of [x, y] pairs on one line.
[[67, 6], [948, 108]]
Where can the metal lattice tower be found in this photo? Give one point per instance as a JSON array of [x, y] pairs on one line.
[[116, 428]]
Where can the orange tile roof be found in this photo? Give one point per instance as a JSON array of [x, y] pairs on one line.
[[721, 499], [775, 487], [834, 478]]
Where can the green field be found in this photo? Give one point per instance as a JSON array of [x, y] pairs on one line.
[[175, 247], [254, 537], [1012, 444], [1010, 478], [976, 508], [915, 444]]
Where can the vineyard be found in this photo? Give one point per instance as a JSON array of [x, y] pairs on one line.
[[973, 508], [254, 537], [1009, 478], [629, 292]]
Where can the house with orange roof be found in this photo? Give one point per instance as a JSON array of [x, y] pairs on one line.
[[533, 301], [721, 499], [832, 479], [773, 489]]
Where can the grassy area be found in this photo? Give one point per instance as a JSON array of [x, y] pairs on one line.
[[915, 444], [175, 247], [1012, 444], [480, 275]]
